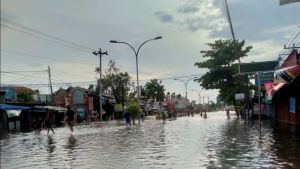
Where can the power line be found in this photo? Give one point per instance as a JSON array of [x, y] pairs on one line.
[[22, 71], [290, 41], [44, 34], [50, 40], [297, 34], [31, 76], [23, 78], [171, 78], [89, 82], [36, 56], [47, 84]]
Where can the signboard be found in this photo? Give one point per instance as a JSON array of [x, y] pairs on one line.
[[239, 96], [258, 66], [292, 105], [284, 2], [265, 78], [118, 108]]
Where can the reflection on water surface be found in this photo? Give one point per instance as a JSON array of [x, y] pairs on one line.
[[188, 142]]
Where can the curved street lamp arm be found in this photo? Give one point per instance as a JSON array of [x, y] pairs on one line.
[[130, 47], [190, 79], [180, 80], [143, 44]]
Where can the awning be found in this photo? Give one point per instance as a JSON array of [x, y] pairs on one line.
[[277, 87], [272, 88], [13, 113], [12, 107], [287, 74], [59, 109]]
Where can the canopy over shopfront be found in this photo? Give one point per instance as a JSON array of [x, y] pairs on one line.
[[12, 107]]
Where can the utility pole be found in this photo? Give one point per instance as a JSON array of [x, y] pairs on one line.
[[100, 53], [259, 101], [229, 20], [207, 103], [50, 84], [203, 97]]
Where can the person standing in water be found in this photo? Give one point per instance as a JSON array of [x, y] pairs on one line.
[[70, 117], [128, 119], [48, 120], [205, 115]]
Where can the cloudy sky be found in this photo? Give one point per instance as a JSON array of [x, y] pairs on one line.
[[185, 25]]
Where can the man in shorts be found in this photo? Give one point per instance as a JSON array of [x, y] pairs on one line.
[[70, 117], [48, 120]]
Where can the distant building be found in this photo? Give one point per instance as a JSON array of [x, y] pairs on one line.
[[20, 94], [10, 94]]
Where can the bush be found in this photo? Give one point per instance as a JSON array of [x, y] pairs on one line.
[[134, 109]]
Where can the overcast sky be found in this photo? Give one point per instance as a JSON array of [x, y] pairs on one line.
[[185, 25]]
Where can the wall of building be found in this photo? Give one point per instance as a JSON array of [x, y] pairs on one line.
[[282, 100]]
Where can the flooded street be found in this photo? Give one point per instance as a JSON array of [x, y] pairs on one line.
[[188, 142]]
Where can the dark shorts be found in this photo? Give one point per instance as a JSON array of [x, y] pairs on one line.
[[70, 122], [128, 121], [48, 124]]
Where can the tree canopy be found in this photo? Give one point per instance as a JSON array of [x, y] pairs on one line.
[[221, 62], [115, 82], [154, 90]]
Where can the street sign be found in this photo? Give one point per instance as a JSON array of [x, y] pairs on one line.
[[265, 78], [239, 96], [258, 66]]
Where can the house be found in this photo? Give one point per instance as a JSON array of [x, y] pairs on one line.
[[78, 101], [287, 102], [286, 90], [61, 98], [78, 98], [20, 94], [10, 94]]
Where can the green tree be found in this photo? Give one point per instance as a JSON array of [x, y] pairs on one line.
[[222, 69], [116, 82], [135, 110], [154, 90], [25, 96]]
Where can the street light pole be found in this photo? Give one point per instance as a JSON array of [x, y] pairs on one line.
[[100, 53], [199, 95], [185, 85], [136, 53], [203, 97]]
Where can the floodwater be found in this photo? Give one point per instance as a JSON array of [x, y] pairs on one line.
[[188, 142]]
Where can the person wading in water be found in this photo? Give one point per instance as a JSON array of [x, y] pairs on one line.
[[48, 120], [70, 117]]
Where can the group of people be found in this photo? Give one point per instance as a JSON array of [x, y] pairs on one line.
[[69, 117]]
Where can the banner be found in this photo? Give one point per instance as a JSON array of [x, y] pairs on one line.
[[287, 74], [284, 2], [269, 88]]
